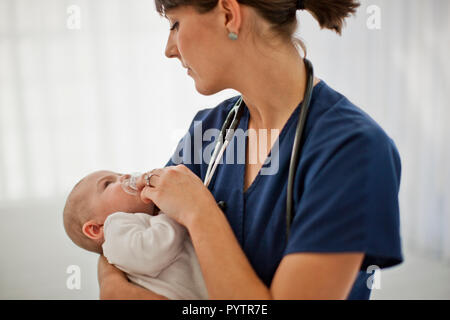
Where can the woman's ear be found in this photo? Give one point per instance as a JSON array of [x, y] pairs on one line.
[[233, 15], [93, 230]]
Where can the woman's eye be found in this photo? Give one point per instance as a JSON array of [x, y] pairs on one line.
[[174, 26]]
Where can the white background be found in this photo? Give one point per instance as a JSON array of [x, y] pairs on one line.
[[106, 97]]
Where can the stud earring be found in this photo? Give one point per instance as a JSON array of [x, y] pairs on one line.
[[233, 36]]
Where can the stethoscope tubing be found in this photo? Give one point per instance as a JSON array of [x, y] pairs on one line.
[[231, 123], [296, 147]]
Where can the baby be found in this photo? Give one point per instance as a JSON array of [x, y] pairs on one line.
[[152, 249]]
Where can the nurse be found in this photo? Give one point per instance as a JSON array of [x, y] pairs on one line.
[[346, 210]]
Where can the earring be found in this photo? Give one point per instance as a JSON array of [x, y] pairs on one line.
[[233, 36]]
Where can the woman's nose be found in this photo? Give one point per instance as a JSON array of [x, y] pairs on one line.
[[171, 48]]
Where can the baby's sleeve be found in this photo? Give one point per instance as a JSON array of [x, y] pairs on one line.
[[142, 244]]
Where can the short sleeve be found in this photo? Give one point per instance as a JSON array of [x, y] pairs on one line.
[[348, 198]]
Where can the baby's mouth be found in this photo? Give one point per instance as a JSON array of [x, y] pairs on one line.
[[128, 183]]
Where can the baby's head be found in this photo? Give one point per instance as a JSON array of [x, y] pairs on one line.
[[91, 201]]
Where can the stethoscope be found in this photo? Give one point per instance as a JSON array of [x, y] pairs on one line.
[[230, 125]]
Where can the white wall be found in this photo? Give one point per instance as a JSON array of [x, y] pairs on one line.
[[105, 96]]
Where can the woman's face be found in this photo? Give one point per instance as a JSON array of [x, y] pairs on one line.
[[200, 42]]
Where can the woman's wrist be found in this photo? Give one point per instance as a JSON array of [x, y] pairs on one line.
[[197, 216], [223, 263]]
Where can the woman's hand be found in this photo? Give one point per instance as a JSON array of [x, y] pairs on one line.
[[114, 284], [179, 193], [108, 278]]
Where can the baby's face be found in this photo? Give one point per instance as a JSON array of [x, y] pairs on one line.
[[107, 196]]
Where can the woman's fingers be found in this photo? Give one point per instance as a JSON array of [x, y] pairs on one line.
[[146, 195], [148, 179], [151, 179]]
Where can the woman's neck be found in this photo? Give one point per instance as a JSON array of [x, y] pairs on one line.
[[272, 87]]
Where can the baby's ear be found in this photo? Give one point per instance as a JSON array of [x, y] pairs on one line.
[[93, 230]]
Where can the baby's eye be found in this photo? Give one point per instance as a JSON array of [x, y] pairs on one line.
[[106, 184]]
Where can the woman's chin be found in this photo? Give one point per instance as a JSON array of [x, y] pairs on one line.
[[205, 90]]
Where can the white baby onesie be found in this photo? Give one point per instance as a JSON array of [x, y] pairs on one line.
[[156, 253]]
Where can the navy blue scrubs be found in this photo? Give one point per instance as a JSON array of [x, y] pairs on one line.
[[345, 191]]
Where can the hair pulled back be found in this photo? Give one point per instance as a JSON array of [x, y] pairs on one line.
[[281, 14]]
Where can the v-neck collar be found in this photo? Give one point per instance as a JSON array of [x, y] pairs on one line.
[[293, 118], [284, 130]]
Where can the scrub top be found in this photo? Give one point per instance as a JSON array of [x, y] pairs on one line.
[[345, 190]]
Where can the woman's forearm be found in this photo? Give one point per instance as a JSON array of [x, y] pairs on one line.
[[114, 285], [226, 270], [116, 288]]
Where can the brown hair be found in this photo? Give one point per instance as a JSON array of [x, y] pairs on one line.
[[76, 212], [330, 14]]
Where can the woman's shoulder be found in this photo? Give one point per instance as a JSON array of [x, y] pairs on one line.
[[336, 115], [349, 178], [338, 129]]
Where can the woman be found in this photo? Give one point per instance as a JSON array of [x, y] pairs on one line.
[[346, 214]]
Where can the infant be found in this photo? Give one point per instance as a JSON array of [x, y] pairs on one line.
[[152, 249]]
